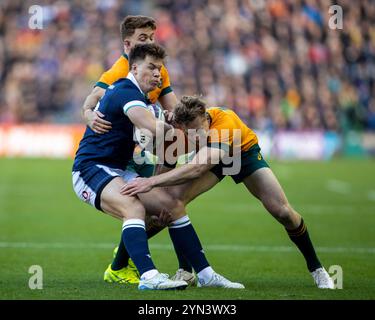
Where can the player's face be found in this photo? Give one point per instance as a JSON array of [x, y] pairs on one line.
[[140, 36], [197, 129], [147, 73]]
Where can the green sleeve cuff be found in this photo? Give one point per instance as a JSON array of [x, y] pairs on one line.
[[165, 91], [101, 85]]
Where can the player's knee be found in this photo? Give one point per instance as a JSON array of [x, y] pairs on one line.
[[132, 209], [173, 205], [177, 208], [285, 214], [282, 211]]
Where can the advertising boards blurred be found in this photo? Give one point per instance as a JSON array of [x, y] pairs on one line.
[[40, 141], [61, 141]]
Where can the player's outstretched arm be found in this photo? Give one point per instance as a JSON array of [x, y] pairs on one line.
[[94, 119], [203, 161], [168, 101]]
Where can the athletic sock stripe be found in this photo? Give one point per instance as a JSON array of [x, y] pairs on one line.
[[133, 226], [181, 220], [181, 225], [299, 232], [133, 222]]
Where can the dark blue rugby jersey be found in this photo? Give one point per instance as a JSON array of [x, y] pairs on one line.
[[114, 148]]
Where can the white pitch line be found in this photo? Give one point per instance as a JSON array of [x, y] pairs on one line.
[[304, 208], [167, 247], [371, 195], [338, 186]]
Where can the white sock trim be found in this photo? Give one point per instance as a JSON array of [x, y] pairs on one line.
[[133, 223], [149, 274], [206, 274], [180, 223]]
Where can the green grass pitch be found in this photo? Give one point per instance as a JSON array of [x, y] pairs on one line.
[[43, 223]]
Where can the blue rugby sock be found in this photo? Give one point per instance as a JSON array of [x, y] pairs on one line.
[[186, 241], [183, 262], [121, 258], [135, 241]]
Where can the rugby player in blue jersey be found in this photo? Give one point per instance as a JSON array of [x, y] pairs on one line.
[[100, 170]]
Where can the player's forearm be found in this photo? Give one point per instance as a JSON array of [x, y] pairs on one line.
[[179, 175], [160, 169], [88, 105], [168, 101], [91, 100]]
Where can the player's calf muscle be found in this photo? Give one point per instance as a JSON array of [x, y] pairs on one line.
[[277, 205]]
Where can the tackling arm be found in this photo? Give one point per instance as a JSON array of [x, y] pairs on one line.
[[168, 101], [204, 160], [94, 118]]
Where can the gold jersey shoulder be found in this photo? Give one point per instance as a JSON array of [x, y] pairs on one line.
[[120, 69], [226, 127]]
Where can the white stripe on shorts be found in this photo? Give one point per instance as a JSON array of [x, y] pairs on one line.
[[82, 190], [127, 175], [86, 194]]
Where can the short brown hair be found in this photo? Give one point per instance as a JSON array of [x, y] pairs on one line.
[[131, 23], [141, 51], [188, 109]]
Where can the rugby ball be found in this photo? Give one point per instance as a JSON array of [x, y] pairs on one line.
[[139, 134], [157, 111]]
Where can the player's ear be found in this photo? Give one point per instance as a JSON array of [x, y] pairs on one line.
[[134, 68], [127, 45]]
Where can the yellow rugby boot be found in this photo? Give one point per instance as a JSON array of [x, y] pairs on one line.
[[131, 264], [129, 274], [123, 276]]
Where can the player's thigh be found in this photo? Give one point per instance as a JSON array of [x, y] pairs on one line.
[[118, 205], [264, 185], [189, 191]]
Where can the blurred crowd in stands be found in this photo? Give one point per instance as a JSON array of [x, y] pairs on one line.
[[277, 63]]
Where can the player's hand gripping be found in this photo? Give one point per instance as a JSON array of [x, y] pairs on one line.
[[94, 119], [138, 185], [169, 116], [159, 222]]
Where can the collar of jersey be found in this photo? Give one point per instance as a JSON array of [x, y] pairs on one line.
[[131, 77]]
